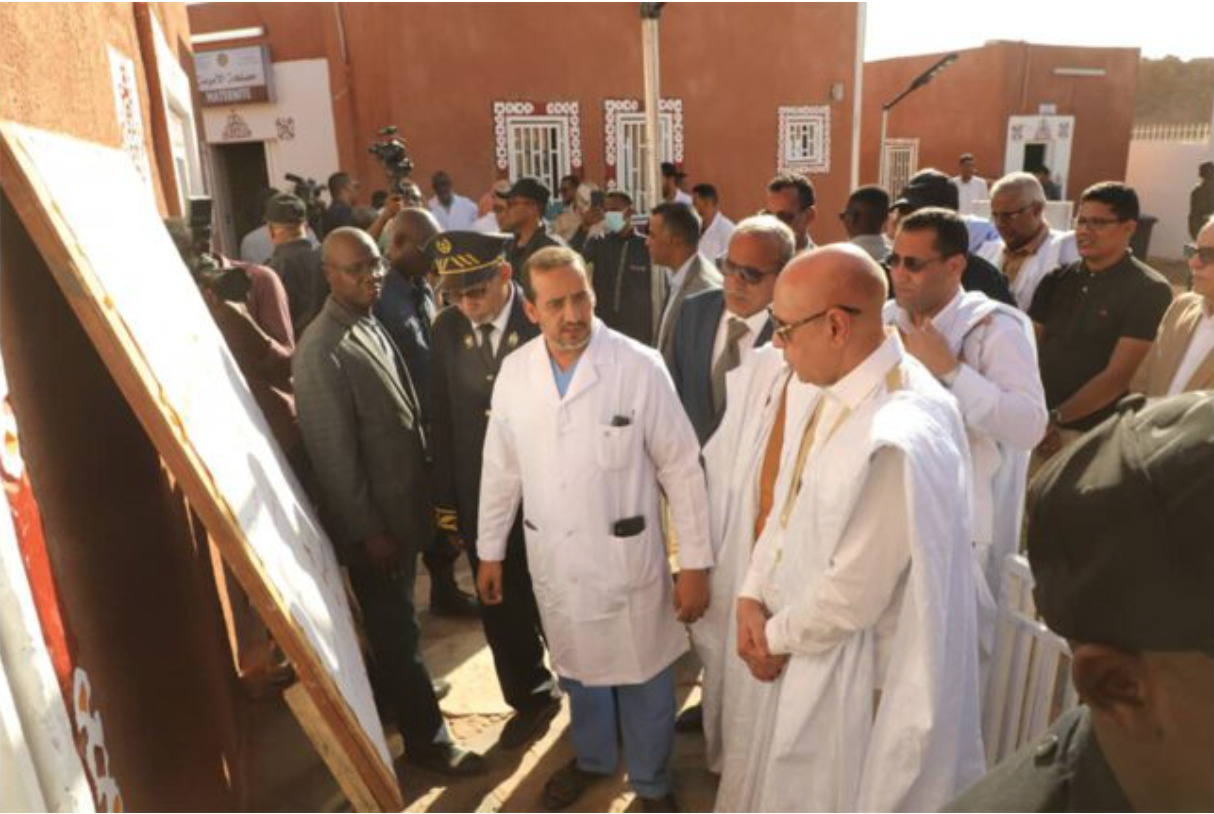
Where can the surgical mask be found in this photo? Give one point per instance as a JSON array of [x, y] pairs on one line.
[[613, 222]]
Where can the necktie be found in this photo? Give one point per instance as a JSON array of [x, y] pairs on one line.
[[730, 358], [486, 346], [771, 465]]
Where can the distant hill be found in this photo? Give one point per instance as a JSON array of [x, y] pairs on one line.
[[1174, 91]]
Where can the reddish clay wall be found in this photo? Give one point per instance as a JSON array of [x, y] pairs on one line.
[[966, 107], [435, 71]]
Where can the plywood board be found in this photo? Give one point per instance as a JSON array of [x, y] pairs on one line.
[[94, 222]]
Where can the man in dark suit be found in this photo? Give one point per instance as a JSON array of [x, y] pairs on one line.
[[674, 242], [406, 309], [362, 425], [471, 339], [718, 328]]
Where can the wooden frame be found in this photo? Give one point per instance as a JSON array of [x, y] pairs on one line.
[[84, 206]]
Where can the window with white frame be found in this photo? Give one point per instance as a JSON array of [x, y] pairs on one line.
[[804, 139], [631, 153], [538, 146], [901, 161]]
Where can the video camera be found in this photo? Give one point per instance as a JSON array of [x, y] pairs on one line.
[[392, 153], [230, 284]]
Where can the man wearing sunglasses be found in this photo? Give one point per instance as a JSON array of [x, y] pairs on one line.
[[791, 198], [1182, 357], [983, 352], [1027, 248], [1095, 319], [362, 425], [857, 614], [471, 341]]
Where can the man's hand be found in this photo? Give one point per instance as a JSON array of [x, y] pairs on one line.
[[930, 347], [1051, 443], [383, 554], [592, 216], [752, 641], [394, 204], [489, 582], [691, 594]]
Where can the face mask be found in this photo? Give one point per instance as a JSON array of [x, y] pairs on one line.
[[614, 222]]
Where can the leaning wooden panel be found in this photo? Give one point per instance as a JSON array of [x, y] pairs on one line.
[[94, 220]]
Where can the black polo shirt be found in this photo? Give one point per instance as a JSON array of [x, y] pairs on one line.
[[1084, 315]]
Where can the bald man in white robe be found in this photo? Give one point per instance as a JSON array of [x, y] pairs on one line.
[[857, 616]]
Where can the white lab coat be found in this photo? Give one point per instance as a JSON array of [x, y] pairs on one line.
[[1059, 249], [580, 464], [733, 461], [817, 741]]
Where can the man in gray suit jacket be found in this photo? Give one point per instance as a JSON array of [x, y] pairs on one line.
[[674, 239], [718, 329], [362, 425]]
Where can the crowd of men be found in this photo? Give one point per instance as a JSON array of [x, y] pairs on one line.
[[833, 444]]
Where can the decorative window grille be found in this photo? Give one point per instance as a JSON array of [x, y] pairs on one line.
[[901, 162], [804, 139], [631, 154], [538, 146]]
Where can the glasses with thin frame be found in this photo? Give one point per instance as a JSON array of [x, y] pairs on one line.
[[784, 330]]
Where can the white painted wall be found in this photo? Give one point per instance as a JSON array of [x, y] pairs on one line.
[[302, 98], [1163, 173]]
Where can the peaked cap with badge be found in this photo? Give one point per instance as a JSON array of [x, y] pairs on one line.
[[465, 259]]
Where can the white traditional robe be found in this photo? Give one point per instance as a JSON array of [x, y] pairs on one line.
[[1058, 250], [733, 460], [865, 612]]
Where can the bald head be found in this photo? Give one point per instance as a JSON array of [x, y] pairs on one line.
[[412, 229], [346, 245], [831, 298]]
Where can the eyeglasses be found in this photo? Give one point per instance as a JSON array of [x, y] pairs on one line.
[[374, 267], [1011, 213], [1094, 224], [784, 330], [1204, 254], [750, 276], [912, 264], [472, 292]]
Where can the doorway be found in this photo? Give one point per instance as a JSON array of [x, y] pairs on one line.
[[1040, 141], [240, 175]]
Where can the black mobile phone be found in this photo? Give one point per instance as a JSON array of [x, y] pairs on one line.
[[629, 527]]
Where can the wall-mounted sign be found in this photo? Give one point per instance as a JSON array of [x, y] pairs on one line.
[[233, 75]]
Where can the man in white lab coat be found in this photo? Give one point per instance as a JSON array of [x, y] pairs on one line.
[[984, 353], [857, 613], [584, 428]]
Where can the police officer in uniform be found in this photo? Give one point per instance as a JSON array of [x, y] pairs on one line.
[[485, 324], [1119, 537]]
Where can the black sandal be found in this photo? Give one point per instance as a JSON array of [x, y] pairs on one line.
[[566, 785]]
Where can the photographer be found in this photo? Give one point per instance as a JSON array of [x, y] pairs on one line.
[[343, 191], [295, 259]]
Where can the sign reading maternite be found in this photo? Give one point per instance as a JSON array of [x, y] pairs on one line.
[[126, 283], [233, 75]]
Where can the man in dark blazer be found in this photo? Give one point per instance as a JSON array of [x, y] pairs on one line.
[[406, 309], [485, 324], [361, 421], [674, 240], [718, 328]]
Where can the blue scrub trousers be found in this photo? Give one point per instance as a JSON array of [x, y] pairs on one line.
[[645, 714]]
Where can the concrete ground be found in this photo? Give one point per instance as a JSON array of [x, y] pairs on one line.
[[476, 713], [286, 774]]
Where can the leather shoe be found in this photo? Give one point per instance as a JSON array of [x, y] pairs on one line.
[[659, 804], [442, 688], [690, 720], [566, 785], [450, 601], [528, 724], [448, 759]]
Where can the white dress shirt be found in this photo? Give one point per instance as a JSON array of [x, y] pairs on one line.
[[714, 243], [498, 323], [487, 223], [746, 343], [461, 215], [1200, 346], [974, 189]]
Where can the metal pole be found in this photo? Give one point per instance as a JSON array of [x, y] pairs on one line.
[[653, 134]]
